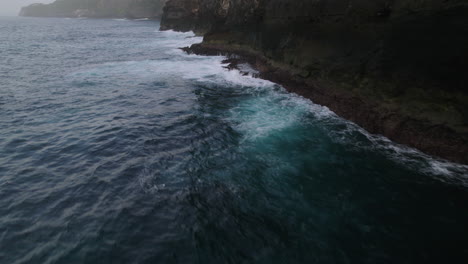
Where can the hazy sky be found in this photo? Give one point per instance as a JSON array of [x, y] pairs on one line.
[[12, 7]]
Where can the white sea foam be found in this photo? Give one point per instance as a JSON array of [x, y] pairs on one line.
[[411, 158], [147, 179], [269, 108], [247, 68], [277, 110], [176, 40]]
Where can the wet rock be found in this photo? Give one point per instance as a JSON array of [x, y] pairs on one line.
[[395, 67]]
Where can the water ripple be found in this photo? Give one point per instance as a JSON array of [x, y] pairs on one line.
[[120, 148]]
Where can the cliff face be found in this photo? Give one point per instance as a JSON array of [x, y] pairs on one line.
[[96, 9], [201, 16], [396, 67]]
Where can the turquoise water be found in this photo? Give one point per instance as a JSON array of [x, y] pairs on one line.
[[116, 147]]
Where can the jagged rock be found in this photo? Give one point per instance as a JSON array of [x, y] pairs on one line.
[[367, 60]]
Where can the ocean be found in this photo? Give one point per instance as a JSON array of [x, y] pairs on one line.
[[117, 147]]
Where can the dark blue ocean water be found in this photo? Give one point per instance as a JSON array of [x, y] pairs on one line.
[[116, 147]]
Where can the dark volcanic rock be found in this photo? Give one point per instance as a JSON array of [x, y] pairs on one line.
[[395, 67], [180, 15]]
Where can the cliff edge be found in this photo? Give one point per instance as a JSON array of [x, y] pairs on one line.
[[395, 67]]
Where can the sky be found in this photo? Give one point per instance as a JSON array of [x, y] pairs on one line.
[[12, 7]]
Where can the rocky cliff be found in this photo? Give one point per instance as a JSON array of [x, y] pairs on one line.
[[97, 9], [395, 67]]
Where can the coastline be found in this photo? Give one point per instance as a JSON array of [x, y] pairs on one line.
[[386, 67], [433, 139]]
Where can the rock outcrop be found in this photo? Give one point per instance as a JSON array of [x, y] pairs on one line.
[[395, 67], [97, 9]]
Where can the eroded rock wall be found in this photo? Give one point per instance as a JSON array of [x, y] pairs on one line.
[[396, 67]]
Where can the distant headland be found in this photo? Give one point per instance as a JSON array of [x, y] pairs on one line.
[[96, 9]]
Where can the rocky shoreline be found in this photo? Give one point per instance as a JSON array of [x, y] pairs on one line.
[[396, 68], [436, 140]]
